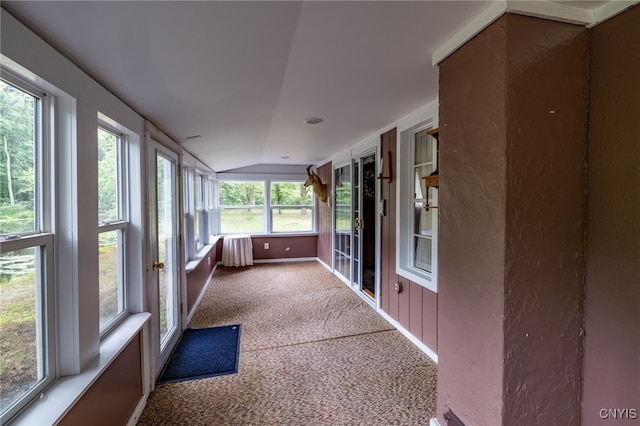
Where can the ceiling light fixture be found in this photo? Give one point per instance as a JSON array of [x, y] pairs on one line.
[[313, 120]]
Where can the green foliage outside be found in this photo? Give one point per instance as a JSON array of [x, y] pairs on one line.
[[17, 159], [243, 207]]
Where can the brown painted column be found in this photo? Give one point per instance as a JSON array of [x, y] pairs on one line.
[[612, 340], [513, 115]]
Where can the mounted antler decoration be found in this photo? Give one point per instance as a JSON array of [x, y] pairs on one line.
[[319, 188]]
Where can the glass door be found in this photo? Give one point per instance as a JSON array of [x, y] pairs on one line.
[[366, 225], [164, 264], [343, 221], [355, 224]]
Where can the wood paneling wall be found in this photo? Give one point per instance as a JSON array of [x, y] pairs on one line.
[[113, 397], [281, 247], [324, 216], [197, 279], [414, 307]]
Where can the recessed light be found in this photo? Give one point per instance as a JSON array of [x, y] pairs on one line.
[[313, 120]]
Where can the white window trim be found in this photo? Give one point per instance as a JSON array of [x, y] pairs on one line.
[[267, 179], [79, 354], [41, 237], [427, 118], [119, 224]]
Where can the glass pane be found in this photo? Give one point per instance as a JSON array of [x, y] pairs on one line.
[[18, 172], [167, 284], [343, 228], [241, 207], [110, 276], [196, 225], [422, 220], [419, 184], [21, 350], [423, 152], [291, 207], [108, 205], [198, 192], [422, 254]]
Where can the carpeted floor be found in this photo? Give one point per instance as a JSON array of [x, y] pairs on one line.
[[311, 353]]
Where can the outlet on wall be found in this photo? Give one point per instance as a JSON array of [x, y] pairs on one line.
[[266, 246]]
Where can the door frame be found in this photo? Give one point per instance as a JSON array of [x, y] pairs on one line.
[[156, 140], [357, 154]]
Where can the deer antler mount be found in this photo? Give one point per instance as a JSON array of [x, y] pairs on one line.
[[319, 188]]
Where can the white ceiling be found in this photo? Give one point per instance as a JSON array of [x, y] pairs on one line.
[[245, 75]]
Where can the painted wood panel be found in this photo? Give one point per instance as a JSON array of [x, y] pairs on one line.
[[386, 273], [197, 279], [281, 247], [324, 217], [415, 311], [115, 394], [429, 316]]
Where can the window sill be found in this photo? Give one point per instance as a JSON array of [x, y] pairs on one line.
[[193, 264], [60, 397], [425, 282]]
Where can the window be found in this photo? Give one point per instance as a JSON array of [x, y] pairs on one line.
[[418, 224], [198, 215], [291, 207], [242, 207], [26, 247], [210, 201], [423, 165], [112, 226]]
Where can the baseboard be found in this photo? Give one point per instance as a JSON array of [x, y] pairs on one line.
[[285, 259], [324, 264], [434, 422], [424, 348], [135, 416]]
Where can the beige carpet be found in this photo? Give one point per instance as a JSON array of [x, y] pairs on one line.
[[312, 353]]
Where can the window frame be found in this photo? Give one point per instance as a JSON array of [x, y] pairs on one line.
[[266, 180], [406, 235], [198, 211], [272, 206], [121, 224], [43, 237]]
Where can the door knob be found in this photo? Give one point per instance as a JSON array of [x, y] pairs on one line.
[[158, 265]]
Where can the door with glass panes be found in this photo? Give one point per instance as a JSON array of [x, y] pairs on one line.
[[355, 209]]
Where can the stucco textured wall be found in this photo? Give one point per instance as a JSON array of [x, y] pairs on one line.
[[545, 220], [472, 200], [612, 340], [513, 109]]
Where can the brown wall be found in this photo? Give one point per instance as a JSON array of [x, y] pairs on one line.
[[415, 307], [197, 279], [545, 220], [113, 397], [513, 105], [324, 217], [281, 247], [612, 341], [472, 200]]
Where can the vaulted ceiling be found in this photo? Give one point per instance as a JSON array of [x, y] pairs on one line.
[[234, 81]]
